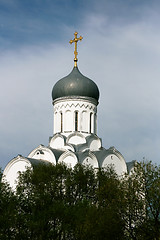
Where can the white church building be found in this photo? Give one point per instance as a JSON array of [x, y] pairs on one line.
[[75, 100]]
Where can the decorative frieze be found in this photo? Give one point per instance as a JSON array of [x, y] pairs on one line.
[[75, 116]]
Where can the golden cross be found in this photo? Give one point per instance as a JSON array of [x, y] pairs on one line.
[[75, 40]]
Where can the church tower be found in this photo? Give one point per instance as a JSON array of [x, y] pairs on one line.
[[75, 100]]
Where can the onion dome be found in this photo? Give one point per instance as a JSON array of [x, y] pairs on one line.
[[75, 84]]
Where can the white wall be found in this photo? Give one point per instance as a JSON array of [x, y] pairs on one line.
[[65, 116]]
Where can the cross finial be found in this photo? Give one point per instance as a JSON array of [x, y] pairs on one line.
[[75, 40]]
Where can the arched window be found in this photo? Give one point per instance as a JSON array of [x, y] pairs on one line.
[[76, 121], [61, 122]]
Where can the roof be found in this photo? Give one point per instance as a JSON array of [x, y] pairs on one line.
[[75, 84]]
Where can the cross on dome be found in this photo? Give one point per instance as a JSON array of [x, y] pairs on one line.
[[75, 40]]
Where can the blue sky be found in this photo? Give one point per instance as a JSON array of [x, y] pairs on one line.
[[37, 21], [120, 51]]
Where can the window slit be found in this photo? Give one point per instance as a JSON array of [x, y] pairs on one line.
[[76, 121], [90, 123], [61, 122]]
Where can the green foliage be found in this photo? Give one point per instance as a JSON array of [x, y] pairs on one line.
[[7, 211], [56, 202]]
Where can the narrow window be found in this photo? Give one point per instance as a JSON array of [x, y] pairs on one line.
[[76, 121], [61, 122], [90, 123], [95, 123]]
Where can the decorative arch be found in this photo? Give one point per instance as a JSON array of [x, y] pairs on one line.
[[90, 160], [68, 118], [55, 121], [14, 167], [95, 145], [43, 153], [57, 141], [76, 138], [84, 121], [117, 162], [68, 158]]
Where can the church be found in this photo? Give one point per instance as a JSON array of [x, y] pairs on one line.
[[75, 99]]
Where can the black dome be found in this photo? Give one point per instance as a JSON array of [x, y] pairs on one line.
[[75, 84]]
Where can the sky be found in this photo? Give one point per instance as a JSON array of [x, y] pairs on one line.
[[120, 52]]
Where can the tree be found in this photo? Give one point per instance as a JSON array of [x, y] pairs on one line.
[[141, 203], [56, 202], [8, 212], [151, 182]]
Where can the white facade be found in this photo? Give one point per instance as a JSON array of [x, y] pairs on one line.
[[75, 115], [74, 138], [11, 172]]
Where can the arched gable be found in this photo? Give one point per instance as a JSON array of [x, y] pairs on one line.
[[57, 141], [94, 143], [43, 153], [76, 138], [68, 158], [89, 159], [117, 162], [13, 168]]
